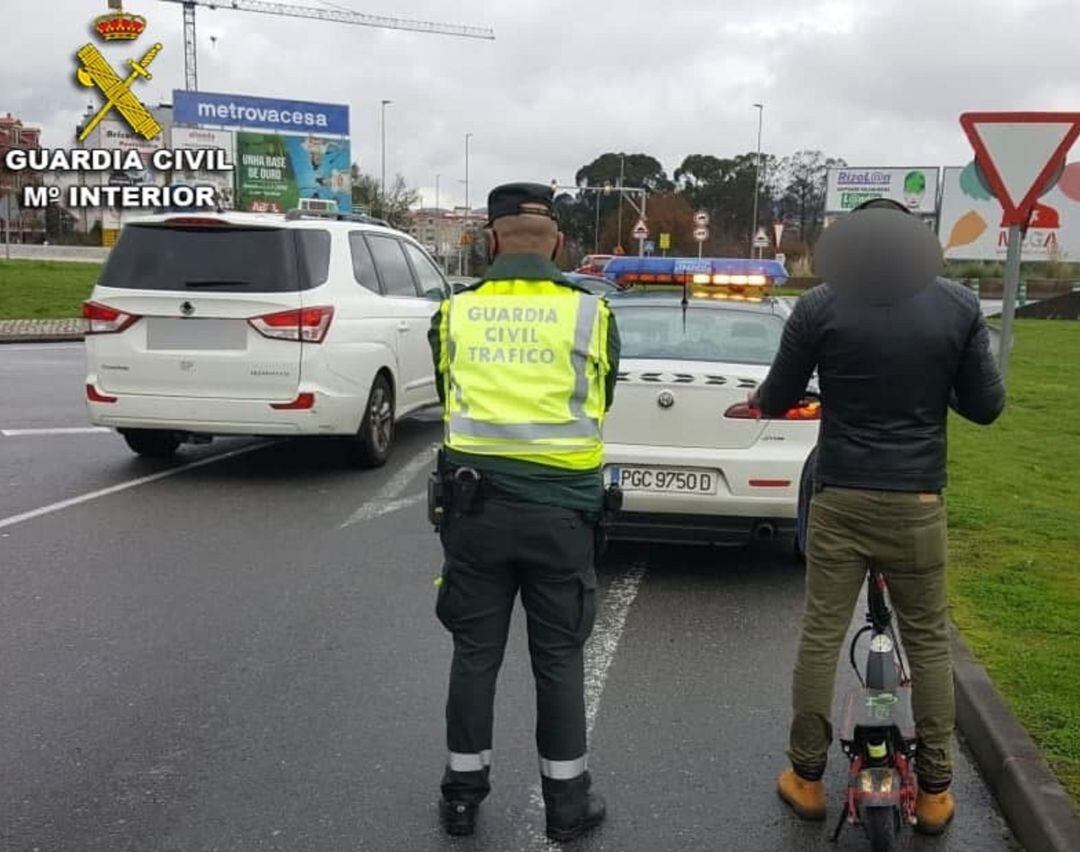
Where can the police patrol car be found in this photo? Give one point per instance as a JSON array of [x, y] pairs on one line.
[[695, 462]]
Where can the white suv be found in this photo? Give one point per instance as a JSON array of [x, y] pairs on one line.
[[247, 324]]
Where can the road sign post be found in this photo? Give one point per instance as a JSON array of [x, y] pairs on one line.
[[1019, 153], [701, 233], [640, 233]]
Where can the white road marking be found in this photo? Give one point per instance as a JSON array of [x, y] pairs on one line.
[[386, 499], [57, 430], [599, 654], [123, 486], [370, 511]]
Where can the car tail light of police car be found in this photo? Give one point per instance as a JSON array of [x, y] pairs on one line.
[[309, 325], [807, 409], [101, 319]]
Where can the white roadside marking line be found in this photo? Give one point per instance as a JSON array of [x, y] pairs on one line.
[[391, 491], [56, 430], [599, 654], [123, 486]]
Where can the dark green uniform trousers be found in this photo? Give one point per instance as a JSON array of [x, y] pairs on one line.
[[546, 553], [903, 533]]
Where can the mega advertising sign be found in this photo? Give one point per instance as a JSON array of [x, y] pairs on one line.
[[916, 187], [970, 226], [196, 138], [218, 110], [274, 172]]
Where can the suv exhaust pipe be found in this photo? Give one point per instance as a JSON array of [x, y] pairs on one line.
[[764, 531]]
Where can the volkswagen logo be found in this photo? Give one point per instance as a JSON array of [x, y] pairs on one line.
[[666, 399], [187, 309]]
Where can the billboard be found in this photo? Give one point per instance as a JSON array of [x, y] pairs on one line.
[[273, 172], [117, 135], [219, 110], [970, 223], [916, 187], [193, 137]]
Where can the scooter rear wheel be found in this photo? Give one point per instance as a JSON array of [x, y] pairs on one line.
[[880, 825]]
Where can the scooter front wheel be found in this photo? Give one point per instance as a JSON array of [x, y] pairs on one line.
[[880, 825]]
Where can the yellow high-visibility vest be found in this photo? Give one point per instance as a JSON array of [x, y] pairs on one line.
[[524, 365]]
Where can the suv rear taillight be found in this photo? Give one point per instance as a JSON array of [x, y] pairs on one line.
[[94, 395], [807, 409], [307, 324], [105, 320]]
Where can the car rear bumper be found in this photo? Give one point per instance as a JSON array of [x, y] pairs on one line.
[[756, 482], [697, 529], [330, 415]]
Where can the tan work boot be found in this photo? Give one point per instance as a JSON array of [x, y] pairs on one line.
[[934, 812], [806, 798]]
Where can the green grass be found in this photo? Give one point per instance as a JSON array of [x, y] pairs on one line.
[[44, 289], [1014, 527]]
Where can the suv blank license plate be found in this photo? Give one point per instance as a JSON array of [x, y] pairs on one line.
[[172, 333], [663, 479]]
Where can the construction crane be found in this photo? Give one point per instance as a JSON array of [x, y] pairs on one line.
[[334, 15]]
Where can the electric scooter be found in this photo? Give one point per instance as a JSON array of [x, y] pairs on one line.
[[878, 733]]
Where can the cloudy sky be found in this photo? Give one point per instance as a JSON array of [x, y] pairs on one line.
[[878, 82]]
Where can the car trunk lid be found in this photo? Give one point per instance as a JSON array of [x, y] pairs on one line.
[[682, 404]]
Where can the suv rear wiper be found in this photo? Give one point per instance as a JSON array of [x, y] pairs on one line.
[[214, 282]]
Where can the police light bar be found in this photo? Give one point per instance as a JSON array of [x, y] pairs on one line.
[[710, 276]]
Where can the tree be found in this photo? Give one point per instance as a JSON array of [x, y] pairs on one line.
[[802, 178], [636, 170], [725, 189], [668, 213], [393, 206]]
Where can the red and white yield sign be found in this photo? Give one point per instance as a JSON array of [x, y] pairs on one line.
[[1019, 153]]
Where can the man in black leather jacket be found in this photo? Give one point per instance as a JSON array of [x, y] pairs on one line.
[[888, 370]]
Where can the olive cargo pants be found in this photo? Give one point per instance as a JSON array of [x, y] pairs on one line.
[[904, 533], [546, 553]]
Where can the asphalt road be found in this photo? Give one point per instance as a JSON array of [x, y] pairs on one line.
[[242, 655]]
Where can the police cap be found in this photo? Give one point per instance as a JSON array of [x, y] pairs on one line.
[[508, 200]]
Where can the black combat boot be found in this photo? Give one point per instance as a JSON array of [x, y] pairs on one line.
[[571, 809], [458, 818]]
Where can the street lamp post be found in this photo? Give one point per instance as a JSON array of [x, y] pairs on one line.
[[467, 207], [437, 192], [382, 182], [622, 180], [467, 137], [757, 177]]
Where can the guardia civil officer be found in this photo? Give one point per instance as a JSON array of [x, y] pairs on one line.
[[526, 366], [894, 347]]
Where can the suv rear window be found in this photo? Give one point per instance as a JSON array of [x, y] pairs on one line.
[[219, 259]]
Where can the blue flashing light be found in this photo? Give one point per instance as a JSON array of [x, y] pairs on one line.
[[671, 269]]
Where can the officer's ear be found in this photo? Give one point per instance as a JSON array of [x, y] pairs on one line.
[[492, 243], [560, 241]]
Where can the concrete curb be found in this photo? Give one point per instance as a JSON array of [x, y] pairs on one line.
[[41, 338], [1035, 805], [42, 330]]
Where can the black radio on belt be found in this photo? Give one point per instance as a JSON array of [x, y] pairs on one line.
[[465, 490], [613, 500]]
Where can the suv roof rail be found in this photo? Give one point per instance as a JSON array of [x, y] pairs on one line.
[[337, 216]]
